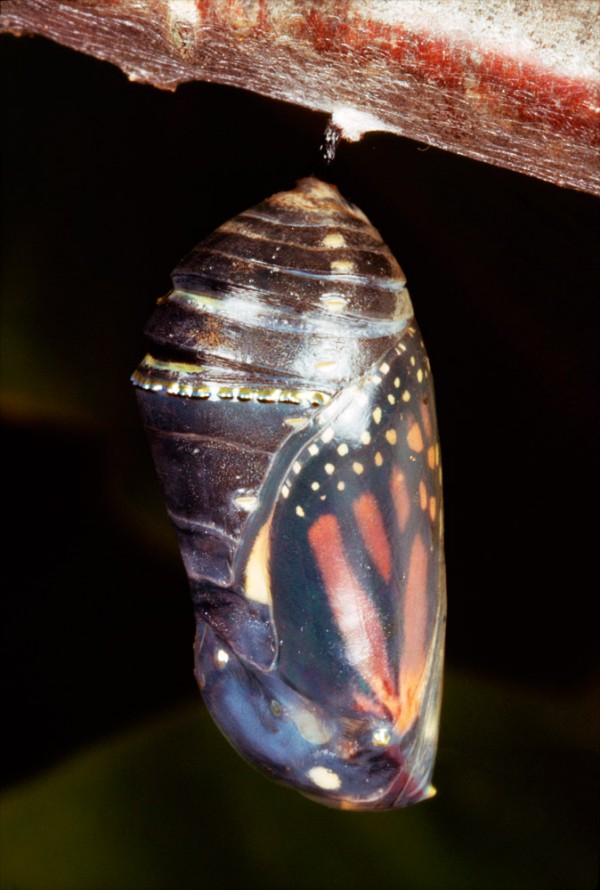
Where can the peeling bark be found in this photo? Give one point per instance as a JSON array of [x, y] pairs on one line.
[[513, 84]]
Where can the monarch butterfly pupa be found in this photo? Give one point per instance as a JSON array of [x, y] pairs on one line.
[[288, 401]]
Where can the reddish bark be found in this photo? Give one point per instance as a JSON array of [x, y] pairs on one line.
[[513, 85]]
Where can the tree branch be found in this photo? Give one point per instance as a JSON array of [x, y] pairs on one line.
[[513, 84]]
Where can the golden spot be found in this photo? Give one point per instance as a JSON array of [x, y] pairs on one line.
[[299, 511], [423, 495], [391, 436], [431, 457], [412, 360], [365, 437], [324, 778], [313, 449], [285, 491], [326, 365], [378, 459], [221, 658], [406, 396], [381, 737], [323, 497], [402, 347], [341, 486], [345, 267], [384, 367], [397, 383], [342, 449], [327, 436], [375, 378], [246, 501], [315, 486], [432, 508], [357, 467], [293, 421], [420, 375], [297, 467], [377, 415], [329, 469], [391, 399], [333, 302], [334, 239], [415, 438]]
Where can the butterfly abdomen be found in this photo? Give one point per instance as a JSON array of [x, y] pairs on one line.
[[288, 400]]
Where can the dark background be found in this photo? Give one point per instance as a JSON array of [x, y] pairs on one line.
[[106, 184]]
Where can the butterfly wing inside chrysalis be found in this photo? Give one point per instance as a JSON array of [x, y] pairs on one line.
[[348, 550]]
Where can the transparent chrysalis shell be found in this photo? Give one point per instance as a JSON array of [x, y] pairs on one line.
[[289, 404]]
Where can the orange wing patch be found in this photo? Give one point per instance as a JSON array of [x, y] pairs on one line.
[[415, 438], [352, 609], [372, 529], [414, 652], [400, 498]]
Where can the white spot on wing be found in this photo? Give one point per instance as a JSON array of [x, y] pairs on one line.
[[324, 778]]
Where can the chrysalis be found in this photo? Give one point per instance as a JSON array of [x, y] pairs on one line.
[[288, 400]]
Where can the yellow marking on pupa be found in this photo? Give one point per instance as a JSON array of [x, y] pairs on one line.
[[334, 239], [344, 267], [246, 501], [258, 579]]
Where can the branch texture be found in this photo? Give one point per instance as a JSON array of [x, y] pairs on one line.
[[516, 84]]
